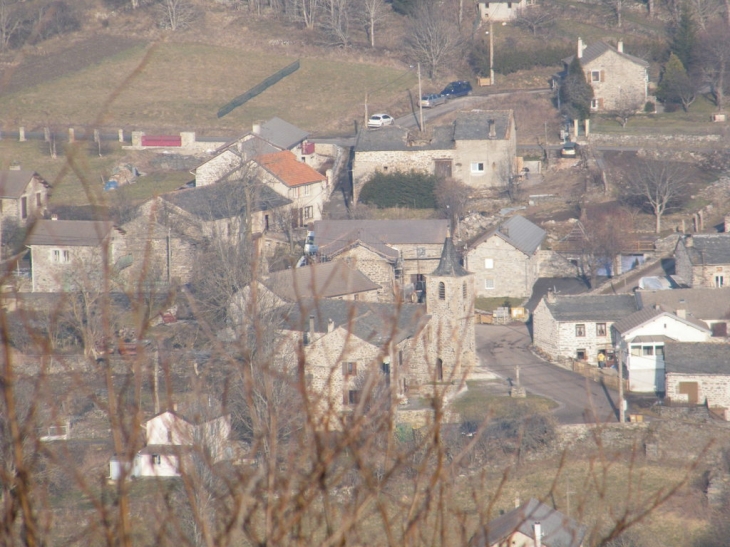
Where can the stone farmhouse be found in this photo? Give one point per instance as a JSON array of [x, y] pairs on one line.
[[698, 373], [330, 280], [479, 148], [579, 327], [67, 255], [394, 254], [500, 11], [619, 80], [304, 186], [641, 338], [703, 260], [172, 440], [23, 195], [219, 211], [505, 260], [408, 349], [272, 136], [710, 306], [531, 524]]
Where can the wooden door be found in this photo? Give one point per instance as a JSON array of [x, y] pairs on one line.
[[691, 390]]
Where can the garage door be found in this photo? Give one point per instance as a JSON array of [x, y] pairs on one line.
[[646, 381]]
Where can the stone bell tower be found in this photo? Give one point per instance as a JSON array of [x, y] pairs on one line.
[[450, 302]]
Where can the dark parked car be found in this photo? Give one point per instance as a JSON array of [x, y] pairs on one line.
[[457, 89]]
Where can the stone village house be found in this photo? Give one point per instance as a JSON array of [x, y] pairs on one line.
[[710, 306], [579, 327], [698, 373], [505, 260], [479, 148], [23, 195], [619, 80], [272, 136], [703, 260], [501, 11], [392, 253], [413, 348]]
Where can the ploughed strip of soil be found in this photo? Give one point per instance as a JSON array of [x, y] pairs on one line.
[[34, 70]]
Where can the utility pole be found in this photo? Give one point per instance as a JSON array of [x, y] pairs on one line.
[[621, 412], [420, 106], [568, 492], [366, 109], [491, 53], [547, 151]]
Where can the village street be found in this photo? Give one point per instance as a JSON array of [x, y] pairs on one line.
[[501, 348]]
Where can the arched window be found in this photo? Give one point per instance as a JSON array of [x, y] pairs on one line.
[[442, 291], [463, 290]]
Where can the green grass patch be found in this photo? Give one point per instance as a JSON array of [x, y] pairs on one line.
[[481, 403], [182, 86], [492, 303]]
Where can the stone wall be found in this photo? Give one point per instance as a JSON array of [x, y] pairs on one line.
[[510, 273], [552, 264], [622, 82], [712, 389], [545, 330], [657, 141], [36, 201], [375, 267]]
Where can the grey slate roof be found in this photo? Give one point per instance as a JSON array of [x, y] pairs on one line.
[[645, 315], [281, 133], [592, 307], [519, 232], [13, 182], [468, 125], [700, 304], [224, 200], [70, 233], [596, 49], [358, 236], [558, 530], [390, 232], [324, 280], [372, 322], [449, 265], [708, 249], [697, 358]]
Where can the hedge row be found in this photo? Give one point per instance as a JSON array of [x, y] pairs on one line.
[[412, 189], [509, 60]]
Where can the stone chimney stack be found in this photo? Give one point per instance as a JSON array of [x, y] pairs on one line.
[[727, 224], [580, 47], [620, 46], [256, 130], [492, 129], [538, 534], [689, 241], [550, 296]]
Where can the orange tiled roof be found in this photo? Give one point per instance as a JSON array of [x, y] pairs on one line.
[[284, 166]]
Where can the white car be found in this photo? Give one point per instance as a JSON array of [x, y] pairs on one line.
[[379, 120]]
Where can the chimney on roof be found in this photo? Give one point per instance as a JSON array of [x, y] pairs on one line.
[[550, 296], [330, 325], [492, 129], [727, 224], [311, 327], [538, 534], [517, 500], [14, 167], [682, 313], [689, 241], [620, 46], [505, 230], [256, 130], [54, 217], [580, 47]]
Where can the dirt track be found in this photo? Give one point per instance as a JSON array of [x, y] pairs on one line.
[[32, 70]]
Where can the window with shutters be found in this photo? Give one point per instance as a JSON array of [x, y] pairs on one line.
[[353, 397], [595, 75], [594, 104], [442, 291], [349, 369]]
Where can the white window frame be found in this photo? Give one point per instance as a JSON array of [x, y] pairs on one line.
[[719, 281], [307, 190], [489, 284], [594, 104], [308, 212], [595, 76], [488, 263], [478, 167], [60, 256]]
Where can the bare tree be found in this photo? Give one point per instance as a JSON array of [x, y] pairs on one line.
[[176, 14], [616, 8], [536, 18], [627, 108], [452, 197], [336, 24], [432, 38], [705, 11], [607, 233], [11, 22], [372, 14], [657, 187], [715, 59]]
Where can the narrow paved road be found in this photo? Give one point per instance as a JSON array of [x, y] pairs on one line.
[[502, 348]]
